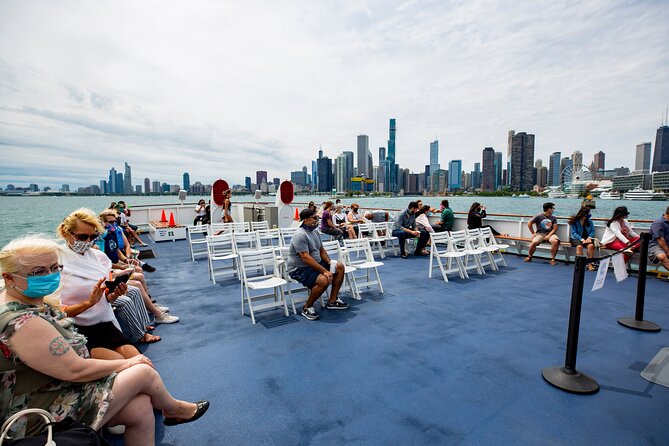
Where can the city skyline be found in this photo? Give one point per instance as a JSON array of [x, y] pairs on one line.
[[83, 85]]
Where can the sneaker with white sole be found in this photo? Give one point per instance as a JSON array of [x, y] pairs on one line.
[[165, 318], [162, 308], [310, 313], [337, 305]]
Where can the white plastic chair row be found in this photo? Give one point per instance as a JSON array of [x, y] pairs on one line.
[[460, 247], [380, 236], [259, 272]]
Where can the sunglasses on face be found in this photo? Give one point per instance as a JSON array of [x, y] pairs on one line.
[[85, 237], [110, 221]]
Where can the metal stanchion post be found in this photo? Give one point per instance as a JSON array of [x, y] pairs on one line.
[[567, 378], [637, 322]]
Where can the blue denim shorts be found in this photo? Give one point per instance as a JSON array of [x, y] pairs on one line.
[[306, 275]]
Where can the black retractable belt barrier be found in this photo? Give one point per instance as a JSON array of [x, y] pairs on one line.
[[567, 378], [637, 322]]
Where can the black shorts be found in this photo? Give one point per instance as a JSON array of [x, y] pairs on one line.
[[103, 335], [306, 275]]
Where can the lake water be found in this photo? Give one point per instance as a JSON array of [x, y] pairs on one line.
[[19, 215]]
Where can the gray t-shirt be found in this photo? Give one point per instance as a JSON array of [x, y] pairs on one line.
[[378, 216], [304, 241], [659, 229], [544, 223]]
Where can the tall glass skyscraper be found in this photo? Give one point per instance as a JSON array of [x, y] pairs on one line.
[[488, 161], [522, 161], [455, 175], [434, 156], [661, 156], [391, 168], [554, 169]]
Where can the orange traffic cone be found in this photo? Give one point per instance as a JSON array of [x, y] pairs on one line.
[[171, 224], [162, 216], [297, 214]]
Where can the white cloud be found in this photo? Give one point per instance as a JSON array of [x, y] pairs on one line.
[[222, 89]]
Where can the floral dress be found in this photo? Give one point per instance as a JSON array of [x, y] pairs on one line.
[[22, 387]]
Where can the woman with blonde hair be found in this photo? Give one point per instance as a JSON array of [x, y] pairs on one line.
[[45, 364], [85, 269]]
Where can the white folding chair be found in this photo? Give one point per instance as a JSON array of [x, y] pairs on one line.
[[442, 250], [287, 234], [258, 225], [490, 245], [246, 241], [384, 231], [220, 228], [221, 249], [292, 285], [260, 272], [368, 231], [197, 240], [460, 243], [269, 237], [364, 262], [335, 252], [475, 242], [240, 227]]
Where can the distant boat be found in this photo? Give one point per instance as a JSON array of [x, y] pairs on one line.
[[556, 193], [639, 194], [520, 196], [610, 195]]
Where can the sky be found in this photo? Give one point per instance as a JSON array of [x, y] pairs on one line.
[[221, 89]]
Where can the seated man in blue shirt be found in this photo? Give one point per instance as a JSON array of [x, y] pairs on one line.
[[309, 264], [658, 248], [405, 227]]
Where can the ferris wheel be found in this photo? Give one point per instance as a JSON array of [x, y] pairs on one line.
[[574, 176]]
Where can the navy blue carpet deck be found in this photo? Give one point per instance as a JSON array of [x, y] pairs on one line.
[[427, 362]]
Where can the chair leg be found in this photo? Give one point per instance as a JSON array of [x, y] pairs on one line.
[[378, 279]]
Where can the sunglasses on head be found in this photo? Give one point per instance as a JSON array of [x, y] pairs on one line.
[[85, 237]]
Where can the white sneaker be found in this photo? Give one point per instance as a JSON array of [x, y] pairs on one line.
[[116, 430], [165, 318], [162, 308]]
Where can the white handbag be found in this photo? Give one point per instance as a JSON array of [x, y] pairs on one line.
[[6, 426]]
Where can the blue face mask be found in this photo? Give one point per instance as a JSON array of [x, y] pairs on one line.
[[40, 286]]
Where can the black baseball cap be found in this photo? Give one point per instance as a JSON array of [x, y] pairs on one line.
[[307, 213]]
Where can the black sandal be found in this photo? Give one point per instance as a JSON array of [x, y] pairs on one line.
[[202, 407]]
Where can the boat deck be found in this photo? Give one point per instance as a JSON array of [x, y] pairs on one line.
[[427, 362]]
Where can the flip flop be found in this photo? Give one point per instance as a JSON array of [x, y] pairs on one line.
[[149, 339]]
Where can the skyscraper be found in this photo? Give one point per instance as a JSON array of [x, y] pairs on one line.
[[364, 168], [476, 176], [247, 183], [642, 159], [434, 156], [186, 182], [599, 161], [554, 169], [510, 136], [455, 175], [147, 186], [127, 180], [261, 176], [576, 158], [111, 183], [488, 162], [522, 161], [325, 180], [499, 168], [391, 168], [344, 172], [661, 156], [382, 154]]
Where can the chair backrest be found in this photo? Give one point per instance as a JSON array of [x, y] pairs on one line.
[[240, 227], [332, 248], [458, 241], [258, 264], [220, 244], [220, 227], [287, 234], [259, 225], [474, 238], [246, 241], [366, 230], [198, 232], [269, 237], [488, 237], [358, 246]]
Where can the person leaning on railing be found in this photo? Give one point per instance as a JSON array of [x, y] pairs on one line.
[[475, 218], [45, 363]]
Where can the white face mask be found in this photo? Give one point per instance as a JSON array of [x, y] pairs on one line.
[[81, 247]]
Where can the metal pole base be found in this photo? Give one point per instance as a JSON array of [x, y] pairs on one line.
[[632, 323], [570, 381]]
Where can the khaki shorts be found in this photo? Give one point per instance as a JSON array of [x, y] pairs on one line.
[[540, 238]]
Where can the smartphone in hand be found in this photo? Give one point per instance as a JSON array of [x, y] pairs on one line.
[[112, 284]]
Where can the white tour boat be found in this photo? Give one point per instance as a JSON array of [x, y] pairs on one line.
[[610, 195], [640, 194]]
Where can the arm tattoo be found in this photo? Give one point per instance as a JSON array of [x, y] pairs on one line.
[[59, 346]]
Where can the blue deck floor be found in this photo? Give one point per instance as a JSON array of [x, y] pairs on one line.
[[427, 362]]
